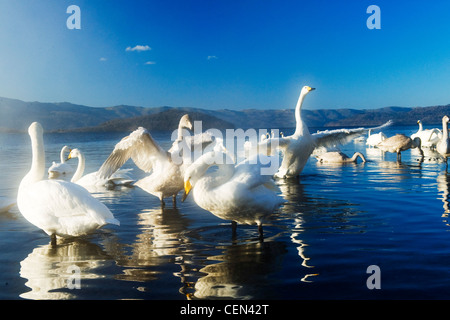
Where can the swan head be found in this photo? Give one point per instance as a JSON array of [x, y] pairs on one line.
[[306, 90], [74, 153], [185, 122], [445, 119], [35, 129], [198, 168]]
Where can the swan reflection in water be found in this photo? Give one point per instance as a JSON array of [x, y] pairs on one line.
[[156, 244], [242, 273], [49, 268], [443, 184]]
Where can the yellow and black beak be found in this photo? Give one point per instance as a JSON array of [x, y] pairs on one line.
[[187, 189], [69, 156], [311, 89]]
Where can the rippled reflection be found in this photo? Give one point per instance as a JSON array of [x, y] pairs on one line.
[[243, 272], [443, 184], [49, 268], [157, 243]]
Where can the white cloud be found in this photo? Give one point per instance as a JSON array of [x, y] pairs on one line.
[[138, 48], [150, 62], [103, 59], [211, 58]]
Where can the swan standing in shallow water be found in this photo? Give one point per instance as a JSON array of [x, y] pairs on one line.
[[61, 170], [297, 148], [443, 146], [58, 207], [339, 157], [166, 178], [399, 143], [119, 178], [233, 192], [374, 139], [428, 137]]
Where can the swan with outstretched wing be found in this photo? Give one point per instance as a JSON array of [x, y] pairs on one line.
[[298, 147]]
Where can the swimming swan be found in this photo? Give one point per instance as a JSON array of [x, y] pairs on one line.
[[443, 146], [339, 157], [120, 177], [297, 148], [61, 170], [166, 176], [399, 143], [60, 208], [239, 193], [428, 137]]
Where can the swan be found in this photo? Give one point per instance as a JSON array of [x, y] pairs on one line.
[[92, 179], [239, 193], [61, 170], [399, 143], [443, 146], [58, 207], [339, 157], [166, 177], [429, 137], [374, 139], [297, 148]]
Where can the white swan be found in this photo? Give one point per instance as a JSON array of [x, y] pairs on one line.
[[119, 178], [166, 178], [429, 137], [339, 157], [60, 208], [239, 193], [399, 143], [297, 148], [443, 146], [374, 139], [61, 170]]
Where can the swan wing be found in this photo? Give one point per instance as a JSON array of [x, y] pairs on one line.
[[329, 138], [140, 147], [249, 172], [269, 145]]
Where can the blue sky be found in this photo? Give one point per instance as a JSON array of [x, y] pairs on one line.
[[226, 54]]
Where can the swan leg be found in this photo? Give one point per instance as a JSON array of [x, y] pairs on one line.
[[174, 200], [53, 239], [233, 228], [260, 231]]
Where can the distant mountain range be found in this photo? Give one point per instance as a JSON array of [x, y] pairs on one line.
[[16, 116]]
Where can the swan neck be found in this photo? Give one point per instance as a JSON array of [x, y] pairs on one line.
[[61, 155], [300, 127], [358, 154], [37, 170], [420, 126], [80, 168], [444, 129]]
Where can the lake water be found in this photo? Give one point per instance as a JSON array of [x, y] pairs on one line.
[[338, 221]]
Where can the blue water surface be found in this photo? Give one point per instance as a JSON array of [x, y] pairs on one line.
[[337, 221]]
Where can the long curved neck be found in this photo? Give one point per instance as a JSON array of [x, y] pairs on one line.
[[37, 170], [300, 128], [420, 126], [61, 155], [80, 168], [356, 155]]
